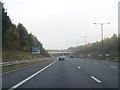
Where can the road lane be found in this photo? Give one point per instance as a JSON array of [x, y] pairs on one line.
[[103, 71], [71, 73], [102, 62], [62, 74], [12, 78], [30, 77]]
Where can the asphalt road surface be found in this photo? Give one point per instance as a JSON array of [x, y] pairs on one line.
[[71, 73]]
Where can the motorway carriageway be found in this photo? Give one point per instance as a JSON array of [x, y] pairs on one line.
[[71, 73]]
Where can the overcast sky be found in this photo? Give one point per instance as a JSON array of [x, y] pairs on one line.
[[60, 24]]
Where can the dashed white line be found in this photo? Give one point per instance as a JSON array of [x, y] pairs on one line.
[[79, 67], [113, 66], [98, 81], [22, 82]]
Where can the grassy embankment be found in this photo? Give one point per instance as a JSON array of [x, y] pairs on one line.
[[10, 56]]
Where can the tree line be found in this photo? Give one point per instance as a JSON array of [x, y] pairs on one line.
[[16, 37], [110, 48]]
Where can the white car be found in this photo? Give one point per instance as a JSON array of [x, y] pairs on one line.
[[61, 58]]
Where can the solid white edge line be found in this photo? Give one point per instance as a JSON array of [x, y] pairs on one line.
[[22, 82], [98, 81]]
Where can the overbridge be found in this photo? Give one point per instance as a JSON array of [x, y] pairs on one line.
[[57, 53]]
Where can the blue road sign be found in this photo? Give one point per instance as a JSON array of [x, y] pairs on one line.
[[36, 49]]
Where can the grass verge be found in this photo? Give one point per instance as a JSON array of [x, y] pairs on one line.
[[107, 59], [11, 55]]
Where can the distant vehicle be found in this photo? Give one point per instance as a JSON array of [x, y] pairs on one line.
[[61, 58], [107, 55], [71, 57]]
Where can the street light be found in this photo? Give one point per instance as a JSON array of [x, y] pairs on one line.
[[77, 44], [102, 33], [85, 38]]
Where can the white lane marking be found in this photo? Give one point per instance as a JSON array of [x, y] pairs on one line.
[[22, 82], [98, 81], [113, 66], [79, 67]]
